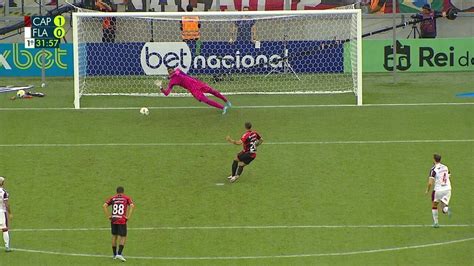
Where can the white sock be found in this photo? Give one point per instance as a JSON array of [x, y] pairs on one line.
[[6, 238], [435, 215]]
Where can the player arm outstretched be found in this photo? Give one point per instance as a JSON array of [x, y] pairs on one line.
[[168, 89], [230, 140]]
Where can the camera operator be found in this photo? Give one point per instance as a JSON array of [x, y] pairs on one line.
[[427, 20]]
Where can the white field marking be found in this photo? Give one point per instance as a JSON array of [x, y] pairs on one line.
[[219, 184], [347, 253], [226, 144], [238, 107], [241, 227]]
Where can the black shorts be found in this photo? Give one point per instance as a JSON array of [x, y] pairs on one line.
[[245, 157], [119, 229]]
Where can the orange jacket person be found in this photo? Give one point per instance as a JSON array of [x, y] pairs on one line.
[[108, 23], [190, 26]]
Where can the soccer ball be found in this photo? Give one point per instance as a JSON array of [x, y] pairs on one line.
[[20, 93], [144, 111], [445, 209]]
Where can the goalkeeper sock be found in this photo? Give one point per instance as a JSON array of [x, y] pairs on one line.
[[234, 168], [240, 170]]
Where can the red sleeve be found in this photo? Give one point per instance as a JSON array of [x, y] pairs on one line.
[[109, 201]]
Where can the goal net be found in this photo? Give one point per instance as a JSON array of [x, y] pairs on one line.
[[285, 52]]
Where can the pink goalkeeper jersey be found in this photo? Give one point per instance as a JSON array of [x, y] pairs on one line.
[[180, 78]]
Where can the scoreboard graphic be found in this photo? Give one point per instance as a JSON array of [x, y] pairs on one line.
[[44, 31]]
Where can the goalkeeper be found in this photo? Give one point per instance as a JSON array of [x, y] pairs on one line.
[[196, 87]]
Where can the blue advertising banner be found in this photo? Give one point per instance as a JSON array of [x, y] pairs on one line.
[[212, 57], [16, 61]]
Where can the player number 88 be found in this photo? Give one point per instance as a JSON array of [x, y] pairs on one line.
[[118, 209]]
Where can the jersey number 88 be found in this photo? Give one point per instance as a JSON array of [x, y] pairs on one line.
[[118, 209]]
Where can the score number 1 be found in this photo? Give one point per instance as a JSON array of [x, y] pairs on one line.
[[59, 31]]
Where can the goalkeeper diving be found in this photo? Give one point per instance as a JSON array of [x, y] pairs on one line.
[[196, 87]]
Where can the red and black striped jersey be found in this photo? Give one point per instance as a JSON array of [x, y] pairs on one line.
[[119, 203], [249, 141]]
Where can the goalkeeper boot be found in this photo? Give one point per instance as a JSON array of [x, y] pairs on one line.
[[224, 111], [229, 104]]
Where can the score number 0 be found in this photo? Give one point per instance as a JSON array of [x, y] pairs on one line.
[[59, 31]]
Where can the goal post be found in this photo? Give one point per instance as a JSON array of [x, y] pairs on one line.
[[254, 52]]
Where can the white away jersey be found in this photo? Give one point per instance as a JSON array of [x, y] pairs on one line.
[[3, 197], [440, 173]]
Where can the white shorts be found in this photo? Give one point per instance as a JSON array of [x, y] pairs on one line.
[[3, 220], [443, 196]]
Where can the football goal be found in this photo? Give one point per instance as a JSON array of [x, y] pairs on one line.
[[284, 52]]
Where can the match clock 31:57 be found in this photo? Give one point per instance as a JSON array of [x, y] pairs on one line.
[[46, 43]]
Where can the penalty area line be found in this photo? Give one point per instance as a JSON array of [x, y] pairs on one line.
[[332, 254]]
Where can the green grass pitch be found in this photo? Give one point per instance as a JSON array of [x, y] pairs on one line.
[[332, 185]]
